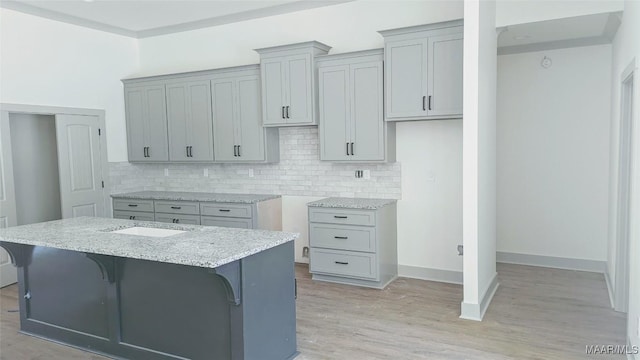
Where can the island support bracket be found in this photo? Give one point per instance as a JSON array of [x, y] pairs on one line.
[[20, 254], [107, 265], [233, 280]]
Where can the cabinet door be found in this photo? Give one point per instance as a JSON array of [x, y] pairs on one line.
[[135, 110], [367, 122], [248, 121], [222, 94], [273, 91], [200, 135], [156, 124], [299, 90], [334, 126], [190, 128], [406, 78], [445, 75]]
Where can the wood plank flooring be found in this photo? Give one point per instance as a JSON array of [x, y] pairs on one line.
[[537, 313]]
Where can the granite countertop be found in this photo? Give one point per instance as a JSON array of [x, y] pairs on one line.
[[195, 196], [201, 246], [352, 203]]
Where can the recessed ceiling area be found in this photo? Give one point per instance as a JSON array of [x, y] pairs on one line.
[[559, 33], [143, 18]]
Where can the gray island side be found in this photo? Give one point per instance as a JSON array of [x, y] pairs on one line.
[[203, 293]]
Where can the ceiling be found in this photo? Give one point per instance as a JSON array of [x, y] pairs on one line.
[[143, 18], [559, 33]]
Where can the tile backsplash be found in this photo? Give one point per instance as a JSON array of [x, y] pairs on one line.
[[299, 173]]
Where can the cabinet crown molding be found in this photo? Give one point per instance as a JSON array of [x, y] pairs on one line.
[[302, 45], [421, 28]]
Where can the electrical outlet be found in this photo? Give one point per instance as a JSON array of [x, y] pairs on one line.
[[250, 172], [460, 250], [367, 174], [206, 172], [166, 172], [305, 251]]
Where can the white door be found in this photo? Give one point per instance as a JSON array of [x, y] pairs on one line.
[[8, 273], [79, 164]]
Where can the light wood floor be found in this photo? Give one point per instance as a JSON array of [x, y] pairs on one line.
[[537, 313]]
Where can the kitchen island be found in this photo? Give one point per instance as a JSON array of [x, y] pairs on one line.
[[148, 290]]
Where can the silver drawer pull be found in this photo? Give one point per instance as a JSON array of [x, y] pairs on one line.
[[176, 207], [133, 205], [224, 210], [339, 217], [341, 262], [341, 237]]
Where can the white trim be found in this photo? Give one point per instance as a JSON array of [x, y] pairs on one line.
[[607, 279], [552, 262], [429, 274], [476, 312], [170, 29], [554, 45]]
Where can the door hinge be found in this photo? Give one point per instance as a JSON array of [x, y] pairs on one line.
[[103, 184], [99, 132]]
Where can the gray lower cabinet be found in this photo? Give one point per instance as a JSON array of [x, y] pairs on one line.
[[288, 83], [133, 209], [423, 71], [189, 119], [353, 246], [352, 126], [237, 120], [264, 215], [146, 122]]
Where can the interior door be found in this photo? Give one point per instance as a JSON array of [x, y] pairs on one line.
[[224, 142], [79, 163], [8, 273], [445, 75], [334, 112], [367, 122], [249, 128]]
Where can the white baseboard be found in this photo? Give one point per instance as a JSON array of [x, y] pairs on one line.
[[422, 273], [552, 262], [607, 279], [471, 311]]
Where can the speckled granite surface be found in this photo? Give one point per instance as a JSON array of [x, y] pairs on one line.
[[195, 196], [351, 203], [202, 246]]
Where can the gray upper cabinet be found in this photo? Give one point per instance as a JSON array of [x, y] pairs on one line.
[[189, 118], [352, 126], [146, 122], [288, 83], [423, 71], [237, 119]]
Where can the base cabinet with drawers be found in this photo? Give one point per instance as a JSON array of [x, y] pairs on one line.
[[353, 246], [265, 214]]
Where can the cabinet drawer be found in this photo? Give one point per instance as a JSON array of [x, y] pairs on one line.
[[226, 210], [226, 222], [341, 216], [133, 215], [177, 207], [178, 219], [345, 263], [342, 237], [133, 205]]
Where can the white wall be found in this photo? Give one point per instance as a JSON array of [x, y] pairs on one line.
[[429, 217], [35, 168], [553, 152], [626, 47], [45, 62], [479, 157], [511, 12]]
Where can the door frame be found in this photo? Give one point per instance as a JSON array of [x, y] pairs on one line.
[[624, 186], [57, 110]]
